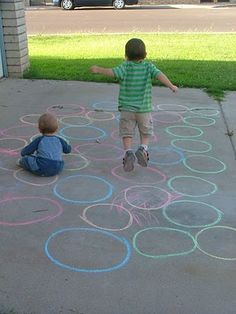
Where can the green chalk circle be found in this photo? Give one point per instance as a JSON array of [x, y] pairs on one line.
[[213, 255], [212, 112], [169, 129], [216, 220], [222, 166], [164, 229], [204, 150], [176, 178], [187, 120]]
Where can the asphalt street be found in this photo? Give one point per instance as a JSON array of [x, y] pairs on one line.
[[44, 20]]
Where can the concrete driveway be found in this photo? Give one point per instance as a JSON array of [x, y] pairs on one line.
[[96, 240]]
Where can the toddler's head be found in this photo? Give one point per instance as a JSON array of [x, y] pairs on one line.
[[47, 123], [135, 50]]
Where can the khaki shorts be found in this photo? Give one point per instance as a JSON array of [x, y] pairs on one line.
[[129, 121]]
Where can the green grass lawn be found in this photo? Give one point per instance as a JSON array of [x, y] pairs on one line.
[[201, 60]]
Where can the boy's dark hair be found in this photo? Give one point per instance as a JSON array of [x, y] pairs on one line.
[[47, 123], [135, 49]]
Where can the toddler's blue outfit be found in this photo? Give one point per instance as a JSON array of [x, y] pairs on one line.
[[43, 156]]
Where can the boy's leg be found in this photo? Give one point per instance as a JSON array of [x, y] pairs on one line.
[[29, 163], [145, 126], [127, 127]]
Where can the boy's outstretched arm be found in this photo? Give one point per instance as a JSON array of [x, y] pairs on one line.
[[164, 80], [99, 70]]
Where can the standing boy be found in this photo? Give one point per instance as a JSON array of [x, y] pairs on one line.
[[135, 99]]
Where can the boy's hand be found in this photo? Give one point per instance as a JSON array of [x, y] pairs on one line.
[[174, 88], [94, 69]]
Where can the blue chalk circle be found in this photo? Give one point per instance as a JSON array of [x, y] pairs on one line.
[[207, 208], [80, 179], [164, 230], [179, 155], [117, 266], [99, 133]]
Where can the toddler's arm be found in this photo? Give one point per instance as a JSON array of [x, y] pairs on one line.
[[99, 70], [31, 148], [164, 80], [66, 147]]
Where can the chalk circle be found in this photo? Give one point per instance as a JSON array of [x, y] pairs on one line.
[[15, 144], [99, 151], [106, 105], [75, 120], [205, 111], [100, 115], [74, 162], [187, 131], [16, 207], [31, 119], [167, 156], [32, 179], [172, 107], [188, 213], [199, 121], [146, 197], [207, 164], [106, 212], [19, 131], [166, 117], [89, 238], [192, 186], [66, 109], [156, 239], [83, 189], [191, 145], [115, 136], [35, 136], [140, 175], [82, 133], [223, 238]]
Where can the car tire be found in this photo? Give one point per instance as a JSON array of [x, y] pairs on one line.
[[118, 4], [67, 4]]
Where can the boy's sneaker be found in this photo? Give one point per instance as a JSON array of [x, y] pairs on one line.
[[128, 161], [142, 156]]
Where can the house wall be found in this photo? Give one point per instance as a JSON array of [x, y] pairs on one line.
[[14, 36]]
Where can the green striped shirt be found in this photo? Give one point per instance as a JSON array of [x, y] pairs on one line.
[[135, 85]]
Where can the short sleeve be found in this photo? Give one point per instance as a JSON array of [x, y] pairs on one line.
[[154, 71], [119, 71]]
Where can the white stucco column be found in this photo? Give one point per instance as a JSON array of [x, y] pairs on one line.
[[14, 36]]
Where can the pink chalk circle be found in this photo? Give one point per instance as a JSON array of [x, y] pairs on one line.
[[172, 107], [31, 119], [99, 151], [11, 141], [66, 109], [19, 131], [74, 162], [15, 205], [147, 197], [100, 115], [167, 117], [115, 136], [75, 120], [111, 208], [140, 175], [32, 179]]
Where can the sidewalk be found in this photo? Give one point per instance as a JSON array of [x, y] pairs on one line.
[[97, 240]]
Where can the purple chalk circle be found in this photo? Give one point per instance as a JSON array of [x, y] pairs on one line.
[[100, 151], [36, 209], [172, 108], [147, 197], [19, 131], [75, 120], [100, 115], [167, 117], [66, 109], [74, 162]]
